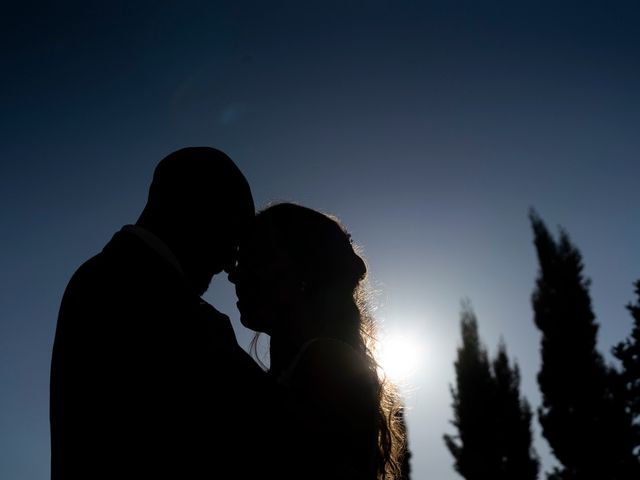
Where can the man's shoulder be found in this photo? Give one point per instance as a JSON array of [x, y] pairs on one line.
[[90, 271], [121, 285], [113, 267], [124, 255]]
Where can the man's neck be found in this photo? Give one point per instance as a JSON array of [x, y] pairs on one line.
[[157, 244]]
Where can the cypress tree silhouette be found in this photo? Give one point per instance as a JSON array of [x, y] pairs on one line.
[[474, 455], [628, 352], [513, 419], [494, 436], [586, 427]]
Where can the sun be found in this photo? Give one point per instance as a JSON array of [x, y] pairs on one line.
[[400, 356]]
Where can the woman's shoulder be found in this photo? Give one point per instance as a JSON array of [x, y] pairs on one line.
[[334, 371], [329, 353]]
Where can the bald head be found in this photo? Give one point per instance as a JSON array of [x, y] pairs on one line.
[[199, 204], [190, 178]]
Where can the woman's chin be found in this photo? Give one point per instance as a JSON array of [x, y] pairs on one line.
[[256, 319], [248, 321]]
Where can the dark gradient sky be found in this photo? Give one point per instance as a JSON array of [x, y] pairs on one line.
[[429, 128]]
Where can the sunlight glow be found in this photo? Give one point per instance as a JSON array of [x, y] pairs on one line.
[[400, 356]]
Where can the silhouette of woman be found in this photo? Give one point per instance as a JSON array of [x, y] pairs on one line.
[[299, 280]]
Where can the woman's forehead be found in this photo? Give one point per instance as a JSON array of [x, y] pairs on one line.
[[262, 242]]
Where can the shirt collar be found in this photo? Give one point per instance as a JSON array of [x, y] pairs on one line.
[[157, 245]]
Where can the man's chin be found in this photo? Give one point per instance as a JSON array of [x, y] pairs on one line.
[[201, 285]]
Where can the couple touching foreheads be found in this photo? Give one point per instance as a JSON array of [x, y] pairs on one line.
[[148, 380]]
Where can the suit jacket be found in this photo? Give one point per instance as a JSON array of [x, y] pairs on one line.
[[148, 381]]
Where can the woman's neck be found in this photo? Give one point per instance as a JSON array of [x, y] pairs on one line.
[[282, 351], [285, 344]]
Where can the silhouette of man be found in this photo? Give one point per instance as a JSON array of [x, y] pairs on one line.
[[147, 380]]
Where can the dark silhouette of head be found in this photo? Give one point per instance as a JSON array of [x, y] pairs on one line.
[[298, 262], [199, 204]]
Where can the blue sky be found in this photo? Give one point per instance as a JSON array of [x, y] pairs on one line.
[[429, 128]]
